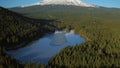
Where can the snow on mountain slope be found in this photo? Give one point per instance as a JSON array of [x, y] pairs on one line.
[[62, 2]]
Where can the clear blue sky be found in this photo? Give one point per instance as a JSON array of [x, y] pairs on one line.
[[15, 3]]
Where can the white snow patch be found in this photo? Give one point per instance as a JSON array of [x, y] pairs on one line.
[[61, 2]]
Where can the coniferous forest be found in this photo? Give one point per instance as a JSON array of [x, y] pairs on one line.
[[99, 26]]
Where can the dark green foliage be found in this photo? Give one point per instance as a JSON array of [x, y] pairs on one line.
[[99, 26], [16, 29], [34, 65], [7, 61], [101, 49], [15, 32]]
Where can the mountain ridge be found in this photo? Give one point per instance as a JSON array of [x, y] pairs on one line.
[[61, 2]]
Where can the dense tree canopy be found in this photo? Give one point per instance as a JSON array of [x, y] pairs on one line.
[[99, 26], [16, 31]]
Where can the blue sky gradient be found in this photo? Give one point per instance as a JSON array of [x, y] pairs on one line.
[[15, 3]]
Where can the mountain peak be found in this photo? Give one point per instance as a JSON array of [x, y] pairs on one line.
[[62, 2]]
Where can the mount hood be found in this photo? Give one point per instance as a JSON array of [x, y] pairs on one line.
[[62, 2]]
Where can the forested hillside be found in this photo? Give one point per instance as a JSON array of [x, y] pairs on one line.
[[101, 49], [16, 29], [15, 32], [99, 26]]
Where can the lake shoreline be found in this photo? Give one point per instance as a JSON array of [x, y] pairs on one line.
[[37, 51], [39, 35], [23, 44]]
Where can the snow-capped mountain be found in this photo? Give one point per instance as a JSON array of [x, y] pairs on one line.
[[62, 2]]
